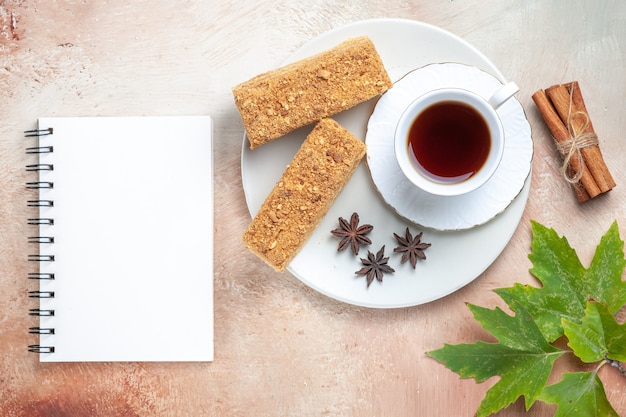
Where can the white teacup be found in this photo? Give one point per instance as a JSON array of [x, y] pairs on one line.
[[450, 141]]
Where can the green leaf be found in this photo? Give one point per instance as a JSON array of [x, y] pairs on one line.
[[566, 284], [579, 394], [598, 336], [522, 357]]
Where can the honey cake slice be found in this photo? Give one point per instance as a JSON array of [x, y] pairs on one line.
[[302, 196], [279, 101]]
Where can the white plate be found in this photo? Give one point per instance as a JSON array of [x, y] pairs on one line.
[[454, 259], [447, 212]]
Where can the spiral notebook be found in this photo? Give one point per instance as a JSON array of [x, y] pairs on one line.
[[123, 257]]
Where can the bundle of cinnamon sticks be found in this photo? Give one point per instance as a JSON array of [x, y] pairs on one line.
[[564, 111]]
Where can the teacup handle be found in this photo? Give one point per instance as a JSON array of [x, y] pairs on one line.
[[507, 91]]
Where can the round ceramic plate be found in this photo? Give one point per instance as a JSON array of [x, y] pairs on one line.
[[454, 259], [447, 212]]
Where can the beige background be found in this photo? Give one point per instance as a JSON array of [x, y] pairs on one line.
[[281, 348]]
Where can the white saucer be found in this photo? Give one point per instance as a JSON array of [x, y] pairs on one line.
[[447, 212], [454, 259]]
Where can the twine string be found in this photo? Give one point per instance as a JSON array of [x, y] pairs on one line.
[[572, 148]]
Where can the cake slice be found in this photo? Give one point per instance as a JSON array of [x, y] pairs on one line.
[[279, 101], [302, 196]]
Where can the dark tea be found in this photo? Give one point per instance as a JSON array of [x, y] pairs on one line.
[[450, 141]]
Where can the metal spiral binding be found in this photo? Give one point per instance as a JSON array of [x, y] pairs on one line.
[[41, 220], [41, 275], [40, 330], [40, 203], [40, 149], [40, 167], [40, 312], [41, 258], [40, 239], [39, 184], [38, 132], [40, 349], [41, 294]]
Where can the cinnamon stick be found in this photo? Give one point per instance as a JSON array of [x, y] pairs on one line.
[[599, 169], [588, 187], [571, 113], [564, 111], [581, 194]]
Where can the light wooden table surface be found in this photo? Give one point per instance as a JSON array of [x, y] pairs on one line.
[[282, 349]]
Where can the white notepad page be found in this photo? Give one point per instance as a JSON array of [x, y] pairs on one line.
[[133, 239]]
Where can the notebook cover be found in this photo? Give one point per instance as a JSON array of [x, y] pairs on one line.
[[133, 239]]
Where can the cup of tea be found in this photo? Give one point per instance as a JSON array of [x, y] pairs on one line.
[[450, 141]]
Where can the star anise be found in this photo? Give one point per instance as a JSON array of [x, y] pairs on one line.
[[352, 234], [375, 266], [411, 248]]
